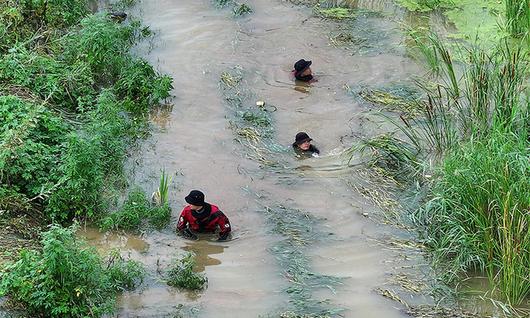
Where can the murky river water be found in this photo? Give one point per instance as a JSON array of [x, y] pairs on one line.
[[195, 42]]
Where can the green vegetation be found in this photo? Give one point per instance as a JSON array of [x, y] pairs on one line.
[[252, 123], [336, 13], [298, 232], [426, 5], [241, 9], [474, 130], [181, 274], [135, 211], [518, 17], [73, 99], [67, 278], [238, 9], [482, 22]]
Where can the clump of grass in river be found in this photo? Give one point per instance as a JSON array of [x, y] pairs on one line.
[[335, 13], [181, 274], [241, 9], [161, 196], [391, 102]]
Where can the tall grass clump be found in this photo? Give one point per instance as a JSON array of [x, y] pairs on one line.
[[479, 215], [518, 17], [473, 141], [161, 212], [67, 278]]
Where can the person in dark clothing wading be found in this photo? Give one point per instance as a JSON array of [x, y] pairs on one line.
[[303, 147], [202, 217], [302, 71]]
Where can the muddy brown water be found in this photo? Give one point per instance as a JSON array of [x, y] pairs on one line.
[[195, 42]]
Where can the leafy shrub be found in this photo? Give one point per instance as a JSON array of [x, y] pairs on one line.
[[124, 275], [31, 139], [21, 20], [141, 87], [90, 157], [181, 274], [66, 85], [134, 210], [102, 44], [82, 170], [56, 13], [66, 279], [71, 163]]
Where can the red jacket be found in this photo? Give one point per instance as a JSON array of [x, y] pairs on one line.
[[206, 223]]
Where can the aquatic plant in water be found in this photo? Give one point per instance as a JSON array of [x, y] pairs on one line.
[[253, 124], [181, 274], [298, 230]]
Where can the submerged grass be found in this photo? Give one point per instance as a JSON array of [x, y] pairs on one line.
[[299, 232], [251, 122], [238, 9]]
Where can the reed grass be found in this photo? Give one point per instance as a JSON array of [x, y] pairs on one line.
[[474, 134], [518, 17]]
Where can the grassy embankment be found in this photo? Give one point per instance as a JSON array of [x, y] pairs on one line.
[[73, 99], [477, 216], [469, 151]]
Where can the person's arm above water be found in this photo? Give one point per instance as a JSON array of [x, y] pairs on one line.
[[182, 226], [224, 225]]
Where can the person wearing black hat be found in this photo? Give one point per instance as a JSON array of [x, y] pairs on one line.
[[202, 217], [303, 147], [302, 71]]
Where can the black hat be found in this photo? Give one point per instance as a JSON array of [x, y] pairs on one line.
[[301, 65], [301, 137], [195, 197]]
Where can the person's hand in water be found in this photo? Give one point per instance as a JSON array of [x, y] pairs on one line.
[[223, 238], [187, 234], [315, 155]]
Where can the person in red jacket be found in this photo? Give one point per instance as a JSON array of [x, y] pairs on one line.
[[202, 217]]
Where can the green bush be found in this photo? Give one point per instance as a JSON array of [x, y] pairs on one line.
[[131, 215], [141, 87], [102, 44], [181, 274], [21, 20], [124, 275], [80, 194], [67, 85], [160, 216], [67, 278], [90, 157], [100, 95], [31, 140]]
